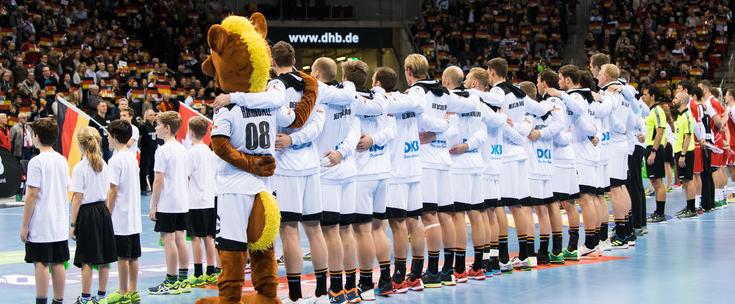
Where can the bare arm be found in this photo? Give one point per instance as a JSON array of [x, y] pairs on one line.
[[76, 203], [157, 187], [111, 197], [28, 208]]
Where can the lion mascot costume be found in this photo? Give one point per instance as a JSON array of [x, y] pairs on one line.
[[240, 61]]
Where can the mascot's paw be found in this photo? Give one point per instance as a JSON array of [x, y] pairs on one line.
[[216, 300], [265, 166], [255, 298]]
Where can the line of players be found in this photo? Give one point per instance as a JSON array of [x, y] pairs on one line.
[[420, 160]]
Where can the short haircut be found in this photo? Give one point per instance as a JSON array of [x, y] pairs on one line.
[[283, 54], [171, 119], [599, 59], [120, 130], [587, 81], [128, 110], [355, 71], [697, 92], [387, 77], [625, 75], [611, 70], [687, 84], [499, 65], [454, 74], [705, 83], [47, 130], [653, 91], [418, 65], [571, 71], [326, 66], [199, 126], [529, 88], [550, 77], [480, 75]]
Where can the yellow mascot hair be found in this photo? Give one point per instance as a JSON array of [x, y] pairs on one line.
[[257, 46], [272, 223]]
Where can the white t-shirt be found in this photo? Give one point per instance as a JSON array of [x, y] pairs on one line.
[[202, 181], [136, 137], [49, 172], [123, 172], [92, 185], [171, 160]]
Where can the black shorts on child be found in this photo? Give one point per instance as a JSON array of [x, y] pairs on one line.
[[95, 237], [128, 246], [201, 222], [56, 252], [170, 222]]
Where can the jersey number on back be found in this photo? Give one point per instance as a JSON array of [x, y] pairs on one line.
[[253, 139]]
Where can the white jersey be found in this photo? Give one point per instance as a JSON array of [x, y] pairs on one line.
[[343, 134], [404, 110], [435, 155], [471, 131], [49, 172], [91, 184], [492, 148], [581, 109], [603, 109], [301, 158], [562, 152], [516, 104], [375, 163], [203, 178], [123, 173], [136, 137], [621, 109], [253, 132], [171, 160], [539, 166]]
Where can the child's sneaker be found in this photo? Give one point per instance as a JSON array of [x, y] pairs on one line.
[[199, 281], [212, 278], [116, 298], [134, 297], [165, 288], [184, 286]]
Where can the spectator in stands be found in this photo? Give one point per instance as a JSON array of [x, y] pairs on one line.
[[20, 73], [29, 88], [21, 138], [94, 98], [4, 132], [6, 83], [46, 79], [103, 119]]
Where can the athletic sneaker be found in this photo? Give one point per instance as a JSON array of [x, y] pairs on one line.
[[657, 218], [247, 268], [639, 231], [323, 299], [676, 186], [496, 266], [461, 277], [116, 298], [401, 287], [184, 286], [645, 230], [700, 210], [367, 293], [447, 279], [280, 261], [649, 192], [212, 278], [385, 288], [686, 213], [352, 295], [631, 239], [680, 212], [199, 281], [543, 259], [307, 256], [134, 297], [415, 284], [431, 281], [337, 298], [570, 255], [618, 244], [288, 300], [556, 259], [522, 265], [605, 245], [533, 261], [165, 288], [477, 275], [91, 300], [587, 253], [506, 268]]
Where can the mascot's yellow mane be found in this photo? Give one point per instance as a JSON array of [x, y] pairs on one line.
[[257, 46]]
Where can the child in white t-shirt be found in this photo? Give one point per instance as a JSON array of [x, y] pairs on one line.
[[91, 222], [170, 204], [127, 114], [123, 200], [201, 223], [46, 212]]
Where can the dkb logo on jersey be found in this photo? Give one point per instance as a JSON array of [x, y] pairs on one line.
[[376, 148], [411, 147], [605, 136], [496, 150], [543, 153]]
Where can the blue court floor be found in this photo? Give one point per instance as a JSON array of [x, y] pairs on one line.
[[682, 261]]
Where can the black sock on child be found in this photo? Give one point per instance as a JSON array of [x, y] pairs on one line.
[[210, 270], [198, 270], [41, 300], [690, 205]]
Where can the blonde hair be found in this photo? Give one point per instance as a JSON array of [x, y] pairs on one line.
[[480, 75], [529, 88], [90, 143], [611, 70], [171, 119], [326, 66], [418, 65], [454, 75]]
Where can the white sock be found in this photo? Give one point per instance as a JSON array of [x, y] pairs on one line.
[[722, 194], [698, 201]]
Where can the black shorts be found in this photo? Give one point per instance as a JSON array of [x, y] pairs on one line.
[[655, 170], [669, 153], [559, 197], [510, 202], [330, 218], [201, 222], [95, 237], [380, 216], [491, 203], [128, 246], [56, 252], [347, 219], [170, 222], [687, 172]]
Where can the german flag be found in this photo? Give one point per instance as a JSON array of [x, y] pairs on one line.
[[163, 87], [34, 48], [87, 82], [192, 15], [70, 120], [137, 92], [46, 41], [6, 31]]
